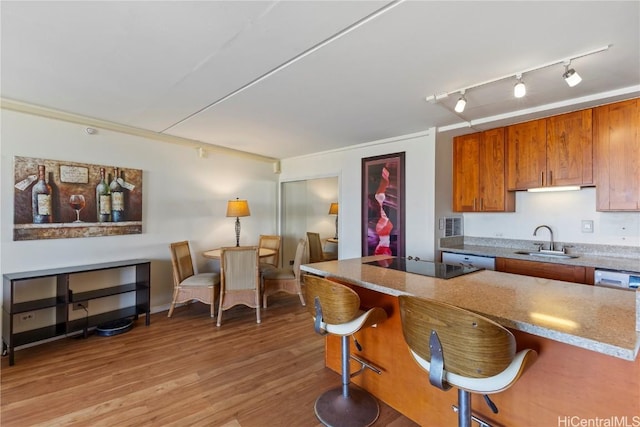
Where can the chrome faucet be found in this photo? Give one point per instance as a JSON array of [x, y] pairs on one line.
[[551, 244]]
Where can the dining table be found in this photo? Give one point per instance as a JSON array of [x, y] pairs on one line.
[[215, 253]]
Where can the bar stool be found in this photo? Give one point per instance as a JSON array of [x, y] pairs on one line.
[[336, 311], [462, 349]]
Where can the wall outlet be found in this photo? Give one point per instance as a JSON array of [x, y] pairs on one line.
[[587, 226], [81, 305]]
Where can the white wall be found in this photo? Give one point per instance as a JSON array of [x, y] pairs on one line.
[[419, 192], [444, 187], [563, 212], [184, 198]]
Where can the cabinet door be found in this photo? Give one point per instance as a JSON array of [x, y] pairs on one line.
[[570, 149], [617, 156], [526, 155], [567, 273], [465, 172], [492, 186]]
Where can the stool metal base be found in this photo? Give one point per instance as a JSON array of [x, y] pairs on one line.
[[360, 409]]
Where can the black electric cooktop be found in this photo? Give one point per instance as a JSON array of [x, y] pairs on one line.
[[424, 268]]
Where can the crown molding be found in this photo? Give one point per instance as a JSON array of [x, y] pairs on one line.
[[36, 110]]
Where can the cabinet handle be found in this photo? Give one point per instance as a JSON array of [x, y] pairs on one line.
[[474, 203], [481, 204], [550, 178], [542, 179]]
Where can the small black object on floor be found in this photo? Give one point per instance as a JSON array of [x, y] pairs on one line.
[[114, 327]]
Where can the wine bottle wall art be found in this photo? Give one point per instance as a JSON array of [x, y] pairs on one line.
[[60, 199]]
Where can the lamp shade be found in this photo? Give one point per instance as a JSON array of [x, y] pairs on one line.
[[333, 209], [237, 208]]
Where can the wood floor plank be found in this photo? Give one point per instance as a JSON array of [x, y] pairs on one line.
[[182, 371]]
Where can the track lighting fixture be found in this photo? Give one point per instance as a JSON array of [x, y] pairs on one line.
[[570, 76], [462, 102], [519, 90]]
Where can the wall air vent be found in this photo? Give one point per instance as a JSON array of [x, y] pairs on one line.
[[453, 226]]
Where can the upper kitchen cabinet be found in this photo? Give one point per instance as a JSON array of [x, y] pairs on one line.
[[479, 173], [526, 154], [551, 152], [616, 133]]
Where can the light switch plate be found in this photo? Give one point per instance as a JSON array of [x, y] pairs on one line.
[[587, 226]]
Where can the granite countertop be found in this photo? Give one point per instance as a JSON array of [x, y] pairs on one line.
[[597, 256], [595, 318]]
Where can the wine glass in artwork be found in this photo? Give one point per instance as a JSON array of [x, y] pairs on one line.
[[77, 203]]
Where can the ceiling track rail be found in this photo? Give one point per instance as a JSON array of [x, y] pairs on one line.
[[293, 60]]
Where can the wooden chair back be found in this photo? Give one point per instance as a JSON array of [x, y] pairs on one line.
[[297, 260], [339, 303], [181, 261], [240, 279], [239, 268], [316, 254], [472, 345], [271, 242]]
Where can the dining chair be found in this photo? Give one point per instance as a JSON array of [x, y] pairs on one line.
[[316, 251], [270, 242], [187, 284], [240, 279], [284, 279]]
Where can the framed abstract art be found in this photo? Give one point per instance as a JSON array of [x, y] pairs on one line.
[[383, 205]]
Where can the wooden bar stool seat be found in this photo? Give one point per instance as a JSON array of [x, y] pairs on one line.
[[336, 310], [462, 349]]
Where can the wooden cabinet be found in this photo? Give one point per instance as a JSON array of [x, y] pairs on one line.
[[479, 173], [46, 298], [567, 273], [526, 154], [616, 132], [556, 151]]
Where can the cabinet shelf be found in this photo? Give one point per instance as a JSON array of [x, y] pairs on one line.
[[23, 307], [27, 337], [97, 319], [105, 292], [65, 296]]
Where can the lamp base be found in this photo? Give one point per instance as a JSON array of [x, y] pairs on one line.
[[237, 231]]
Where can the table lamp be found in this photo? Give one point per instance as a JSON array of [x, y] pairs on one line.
[[333, 210], [238, 208]]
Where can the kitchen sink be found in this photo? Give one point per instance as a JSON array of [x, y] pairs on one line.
[[547, 254]]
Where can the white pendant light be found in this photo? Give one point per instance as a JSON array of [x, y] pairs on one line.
[[570, 76], [519, 90], [462, 102]]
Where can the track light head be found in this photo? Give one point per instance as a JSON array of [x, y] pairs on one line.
[[519, 90], [462, 102], [570, 76]]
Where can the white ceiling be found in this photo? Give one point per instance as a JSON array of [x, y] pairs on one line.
[[244, 74]]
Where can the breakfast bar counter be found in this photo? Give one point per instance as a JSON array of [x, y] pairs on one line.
[[586, 338]]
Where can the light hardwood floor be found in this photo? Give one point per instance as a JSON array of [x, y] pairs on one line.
[[182, 371]]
